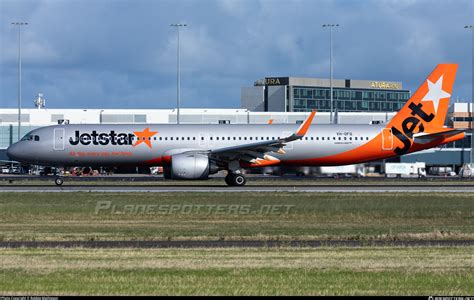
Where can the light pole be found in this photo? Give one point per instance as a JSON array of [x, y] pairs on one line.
[[19, 24], [471, 107], [330, 26], [178, 99]]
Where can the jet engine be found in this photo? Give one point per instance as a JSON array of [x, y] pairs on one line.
[[190, 166]]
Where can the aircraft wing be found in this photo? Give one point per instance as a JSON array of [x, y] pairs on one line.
[[258, 152]]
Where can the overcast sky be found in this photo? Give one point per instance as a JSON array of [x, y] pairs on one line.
[[122, 53]]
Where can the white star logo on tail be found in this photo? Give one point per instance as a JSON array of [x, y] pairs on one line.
[[435, 93]]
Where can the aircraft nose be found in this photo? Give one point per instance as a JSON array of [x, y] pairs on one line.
[[14, 152]]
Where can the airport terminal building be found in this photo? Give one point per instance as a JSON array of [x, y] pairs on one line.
[[296, 94]]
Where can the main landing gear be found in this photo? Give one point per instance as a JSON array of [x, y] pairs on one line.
[[233, 179]]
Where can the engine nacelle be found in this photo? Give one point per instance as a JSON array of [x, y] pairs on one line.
[[191, 166]]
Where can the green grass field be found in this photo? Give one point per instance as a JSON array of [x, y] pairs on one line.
[[210, 216], [157, 216], [284, 271]]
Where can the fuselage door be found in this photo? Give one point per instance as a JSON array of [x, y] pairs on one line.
[[58, 139], [387, 139]]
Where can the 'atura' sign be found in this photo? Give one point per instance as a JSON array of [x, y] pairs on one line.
[[276, 81], [384, 85]]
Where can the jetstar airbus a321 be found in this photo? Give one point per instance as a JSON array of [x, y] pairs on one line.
[[196, 151]]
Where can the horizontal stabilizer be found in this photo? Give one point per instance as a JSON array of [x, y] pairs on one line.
[[425, 138]]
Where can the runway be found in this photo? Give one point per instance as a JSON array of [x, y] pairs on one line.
[[353, 188], [235, 244]]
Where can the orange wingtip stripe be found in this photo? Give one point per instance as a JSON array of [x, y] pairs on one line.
[[305, 126]]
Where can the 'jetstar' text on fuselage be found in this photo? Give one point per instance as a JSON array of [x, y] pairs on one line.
[[102, 138]]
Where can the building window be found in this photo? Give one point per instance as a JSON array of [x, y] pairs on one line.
[[139, 118], [349, 105], [379, 96], [367, 95], [296, 93]]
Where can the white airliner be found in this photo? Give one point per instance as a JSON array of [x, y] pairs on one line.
[[196, 151]]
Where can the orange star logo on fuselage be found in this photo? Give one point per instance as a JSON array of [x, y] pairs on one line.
[[144, 137]]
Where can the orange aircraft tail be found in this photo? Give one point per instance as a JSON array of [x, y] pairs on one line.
[[425, 112]]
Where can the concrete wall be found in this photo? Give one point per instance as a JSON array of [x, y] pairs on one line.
[[275, 95], [252, 98]]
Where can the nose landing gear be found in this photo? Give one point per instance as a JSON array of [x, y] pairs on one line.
[[58, 181]]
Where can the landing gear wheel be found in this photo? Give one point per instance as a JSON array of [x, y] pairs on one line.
[[238, 180], [59, 181]]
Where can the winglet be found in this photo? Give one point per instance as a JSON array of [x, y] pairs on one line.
[[305, 126], [301, 132]]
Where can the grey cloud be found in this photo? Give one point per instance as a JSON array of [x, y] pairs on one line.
[[122, 53]]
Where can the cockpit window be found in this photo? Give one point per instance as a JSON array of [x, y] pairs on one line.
[[30, 137]]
